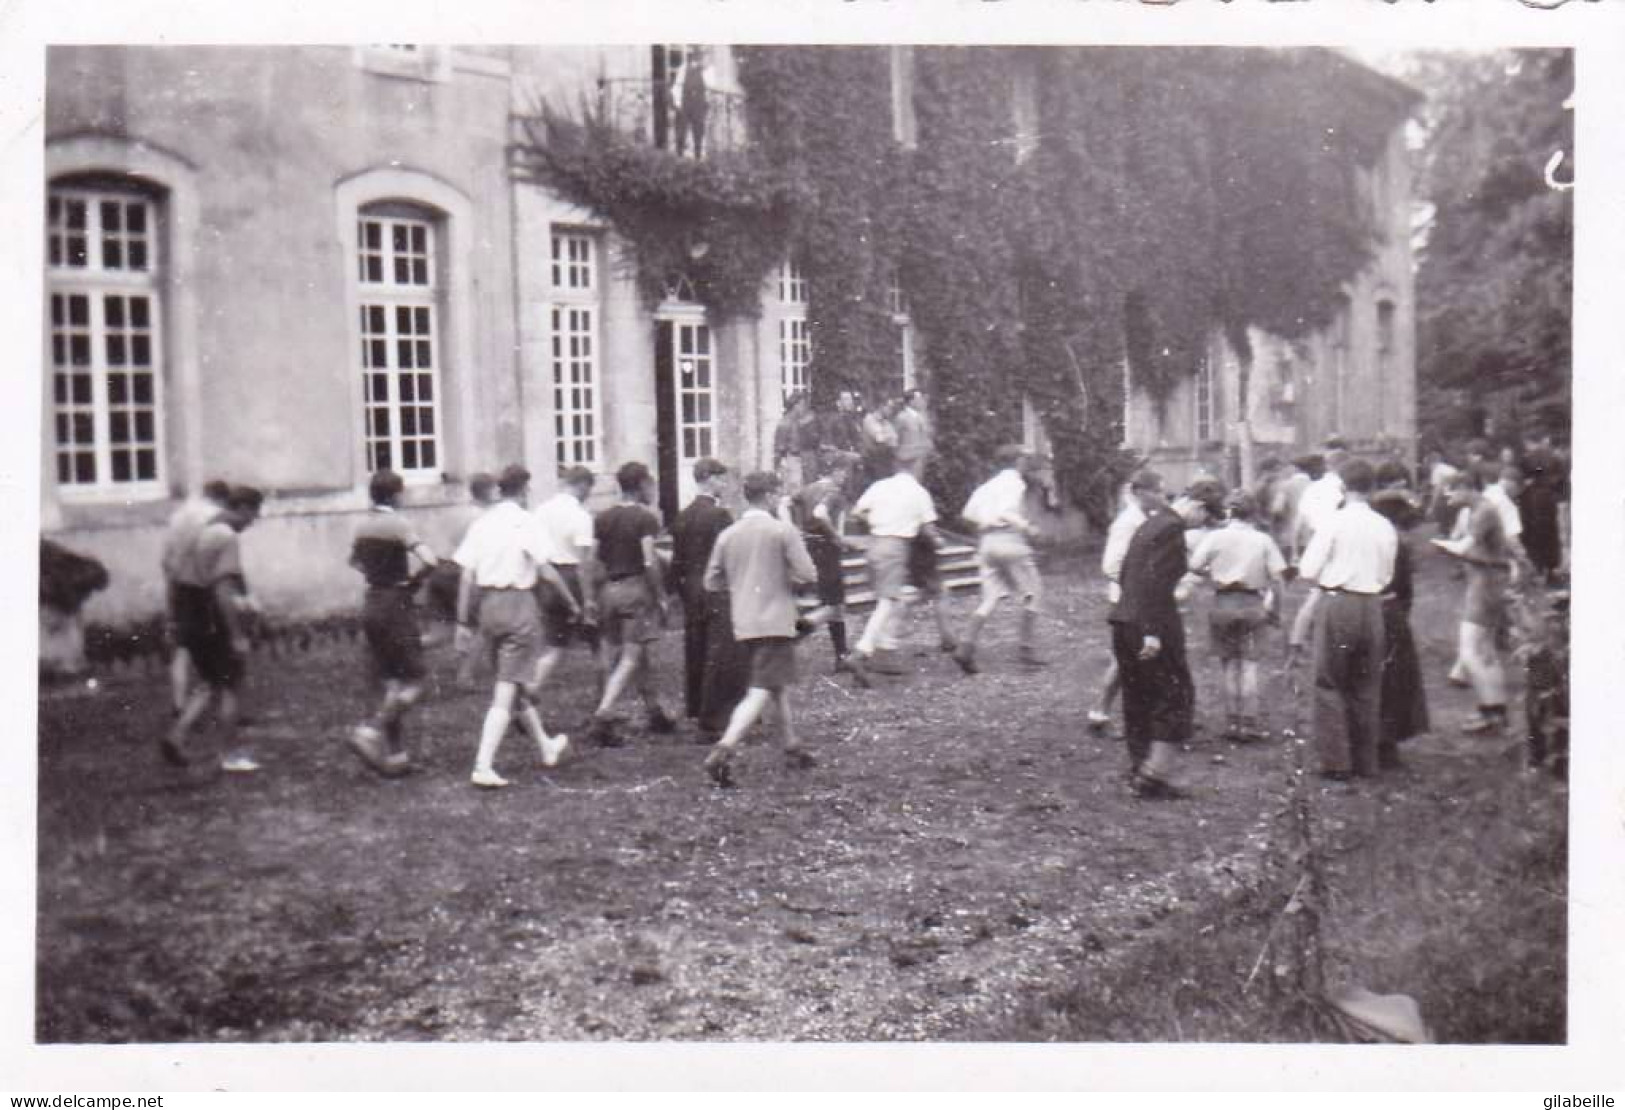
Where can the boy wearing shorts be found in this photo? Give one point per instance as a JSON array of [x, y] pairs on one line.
[[898, 512], [568, 524], [819, 510], [211, 607], [631, 601], [384, 551], [1004, 553], [760, 560], [502, 555], [1245, 567]]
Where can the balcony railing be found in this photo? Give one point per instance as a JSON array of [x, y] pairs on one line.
[[689, 125]]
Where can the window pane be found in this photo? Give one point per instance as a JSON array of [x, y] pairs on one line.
[[138, 313], [81, 389], [63, 434], [420, 271], [111, 213], [409, 454], [135, 217], [76, 215], [146, 464], [409, 421], [59, 350], [118, 427], [419, 239], [140, 350], [426, 421], [426, 388], [115, 350], [83, 428], [84, 467], [403, 320], [428, 454], [113, 311], [78, 254], [145, 428], [79, 310], [375, 268], [403, 271], [112, 254], [408, 387], [118, 389], [424, 358], [56, 250], [143, 388], [422, 315], [403, 352], [79, 346], [121, 466], [138, 255]]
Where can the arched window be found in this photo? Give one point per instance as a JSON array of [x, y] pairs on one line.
[[105, 288], [397, 273]]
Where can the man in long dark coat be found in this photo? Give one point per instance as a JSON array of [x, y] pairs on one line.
[[713, 663], [1148, 641]]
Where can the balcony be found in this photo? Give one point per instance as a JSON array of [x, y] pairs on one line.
[[691, 123]]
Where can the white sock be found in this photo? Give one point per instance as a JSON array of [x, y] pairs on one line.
[[496, 725]]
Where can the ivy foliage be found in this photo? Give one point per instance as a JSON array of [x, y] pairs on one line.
[[714, 226], [1168, 193]]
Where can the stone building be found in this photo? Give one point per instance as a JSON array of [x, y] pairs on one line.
[[1355, 379], [287, 266]]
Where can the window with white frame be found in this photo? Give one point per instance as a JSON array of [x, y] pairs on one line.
[[104, 291], [400, 339], [1205, 422], [897, 301], [795, 343], [573, 324]]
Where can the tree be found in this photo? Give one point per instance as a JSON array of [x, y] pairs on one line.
[[1495, 283]]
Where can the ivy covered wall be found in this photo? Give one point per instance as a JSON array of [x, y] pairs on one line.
[[1165, 193]]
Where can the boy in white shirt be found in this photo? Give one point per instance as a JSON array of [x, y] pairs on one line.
[[896, 509]]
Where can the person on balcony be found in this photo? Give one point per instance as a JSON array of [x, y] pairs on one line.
[[689, 93]]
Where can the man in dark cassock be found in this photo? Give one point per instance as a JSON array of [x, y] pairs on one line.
[[713, 663], [1148, 642]]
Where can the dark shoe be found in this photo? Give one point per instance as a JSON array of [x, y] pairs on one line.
[[658, 720], [966, 658], [1098, 721], [799, 759], [1155, 789], [172, 753], [947, 645], [805, 628], [858, 664], [719, 766], [601, 731]]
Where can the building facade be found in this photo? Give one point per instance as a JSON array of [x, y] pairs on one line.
[[1355, 379], [289, 266]]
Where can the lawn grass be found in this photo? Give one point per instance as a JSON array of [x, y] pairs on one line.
[[965, 864]]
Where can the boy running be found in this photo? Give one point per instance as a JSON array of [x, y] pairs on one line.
[[1003, 553], [760, 560], [384, 550], [502, 555], [897, 510]]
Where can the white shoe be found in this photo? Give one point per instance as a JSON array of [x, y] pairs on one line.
[[553, 749], [487, 780], [239, 764]]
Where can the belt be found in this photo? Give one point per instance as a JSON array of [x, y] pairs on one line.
[[1346, 593], [1240, 590], [626, 577], [508, 589]]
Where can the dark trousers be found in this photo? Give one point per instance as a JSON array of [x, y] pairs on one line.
[[1349, 647], [715, 666], [1158, 698]]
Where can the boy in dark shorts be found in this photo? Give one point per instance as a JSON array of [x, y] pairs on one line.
[[184, 526], [384, 550], [631, 601], [569, 528], [819, 510], [1246, 568], [760, 560], [210, 611], [502, 555]]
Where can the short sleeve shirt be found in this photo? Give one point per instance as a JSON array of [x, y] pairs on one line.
[[503, 547], [184, 527], [382, 548], [1486, 527], [1239, 555], [568, 525], [897, 506], [216, 556], [620, 532]]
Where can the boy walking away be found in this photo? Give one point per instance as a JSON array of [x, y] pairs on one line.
[[184, 526], [897, 509], [211, 614], [714, 666], [631, 603], [1004, 553], [569, 530], [759, 561], [1404, 700], [819, 510], [502, 555], [1245, 567], [384, 551], [1350, 558], [1148, 640]]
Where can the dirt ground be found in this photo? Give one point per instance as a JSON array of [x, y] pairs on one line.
[[964, 845]]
